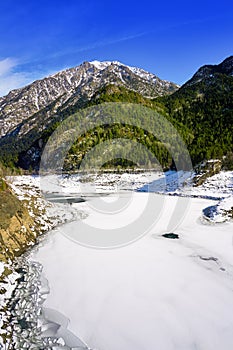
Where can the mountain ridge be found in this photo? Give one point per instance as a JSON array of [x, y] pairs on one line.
[[201, 109], [73, 84], [210, 70]]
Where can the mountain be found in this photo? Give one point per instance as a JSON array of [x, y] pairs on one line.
[[211, 72], [204, 105], [22, 109], [201, 110]]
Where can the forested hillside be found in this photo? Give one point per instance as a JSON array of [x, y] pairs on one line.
[[201, 111]]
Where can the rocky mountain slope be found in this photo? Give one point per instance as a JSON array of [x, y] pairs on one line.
[[201, 110], [211, 72], [69, 88]]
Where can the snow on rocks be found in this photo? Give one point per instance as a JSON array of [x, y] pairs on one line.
[[25, 324], [33, 326], [175, 183], [46, 214], [221, 212], [53, 213], [22, 287], [219, 186], [7, 285], [142, 181]]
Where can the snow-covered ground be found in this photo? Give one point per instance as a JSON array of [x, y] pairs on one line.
[[47, 216], [219, 185], [156, 293], [27, 188]]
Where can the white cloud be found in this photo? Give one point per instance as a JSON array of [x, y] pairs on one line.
[[11, 79], [6, 66]]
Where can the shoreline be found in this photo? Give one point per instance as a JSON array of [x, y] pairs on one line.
[[57, 226], [54, 215], [103, 276]]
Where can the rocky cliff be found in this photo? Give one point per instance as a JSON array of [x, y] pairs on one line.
[[17, 229]]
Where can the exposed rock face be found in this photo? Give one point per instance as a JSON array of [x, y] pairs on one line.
[[206, 169], [24, 322], [16, 226], [67, 88], [208, 72]]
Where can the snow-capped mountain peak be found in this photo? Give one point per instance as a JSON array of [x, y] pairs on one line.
[[103, 64], [69, 87]]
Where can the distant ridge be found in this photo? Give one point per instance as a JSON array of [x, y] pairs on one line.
[[201, 110], [71, 86], [210, 71]]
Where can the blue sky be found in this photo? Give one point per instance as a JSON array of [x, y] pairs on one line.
[[171, 39]]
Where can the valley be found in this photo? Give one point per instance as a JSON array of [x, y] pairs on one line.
[[116, 215]]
